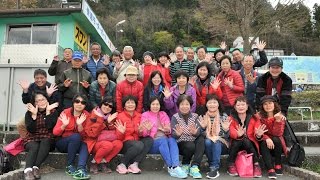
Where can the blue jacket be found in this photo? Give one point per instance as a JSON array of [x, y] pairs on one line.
[[92, 67]]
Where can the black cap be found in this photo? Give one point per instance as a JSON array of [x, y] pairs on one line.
[[276, 62], [116, 53], [148, 53], [268, 98]]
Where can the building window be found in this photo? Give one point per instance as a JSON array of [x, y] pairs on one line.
[[32, 34]]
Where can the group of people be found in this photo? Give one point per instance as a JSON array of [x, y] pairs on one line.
[[105, 105]]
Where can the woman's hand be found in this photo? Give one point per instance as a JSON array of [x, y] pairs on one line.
[[270, 144], [261, 130], [120, 127]]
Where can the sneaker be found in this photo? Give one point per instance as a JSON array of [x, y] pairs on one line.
[[213, 173], [29, 175], [122, 169], [134, 169], [178, 172], [195, 172], [36, 172], [278, 169], [94, 168], [185, 168], [104, 168], [272, 174], [232, 170], [70, 170], [81, 174], [257, 171]]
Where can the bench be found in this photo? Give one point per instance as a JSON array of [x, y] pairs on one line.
[[301, 110]]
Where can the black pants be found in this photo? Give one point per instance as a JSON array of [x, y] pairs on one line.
[[188, 149], [267, 153], [243, 144], [37, 152], [135, 151]]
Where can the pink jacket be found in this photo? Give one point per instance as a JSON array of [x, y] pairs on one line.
[[153, 117]]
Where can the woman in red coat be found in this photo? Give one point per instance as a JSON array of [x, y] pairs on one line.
[[273, 143], [104, 149], [231, 84], [205, 84], [128, 130], [245, 132], [163, 67]]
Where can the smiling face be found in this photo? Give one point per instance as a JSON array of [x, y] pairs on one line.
[[127, 53], [190, 54], [225, 65], [156, 80], [203, 72], [106, 107], [184, 107], [182, 81], [41, 101], [241, 107], [163, 60], [248, 62], [77, 63], [95, 50], [201, 54], [179, 53], [155, 106], [79, 104], [212, 105], [67, 54], [147, 59], [130, 106], [275, 71], [40, 80], [103, 79], [237, 56], [268, 106], [218, 56], [131, 77]]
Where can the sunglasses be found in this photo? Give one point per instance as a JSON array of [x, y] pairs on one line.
[[77, 101], [107, 104]]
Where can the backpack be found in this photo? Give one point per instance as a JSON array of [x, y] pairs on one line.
[[296, 154], [5, 165]]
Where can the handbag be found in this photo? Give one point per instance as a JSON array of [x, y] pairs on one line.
[[107, 135], [244, 164], [15, 147], [296, 154]]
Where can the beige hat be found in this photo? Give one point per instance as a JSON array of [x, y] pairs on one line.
[[132, 70]]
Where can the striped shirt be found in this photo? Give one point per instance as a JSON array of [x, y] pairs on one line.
[[185, 65]]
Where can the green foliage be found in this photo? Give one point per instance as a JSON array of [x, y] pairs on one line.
[[306, 98], [163, 40], [196, 44]]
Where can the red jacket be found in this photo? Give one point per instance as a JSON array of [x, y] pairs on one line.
[[132, 123], [229, 95], [147, 70], [203, 90], [71, 128], [275, 129], [125, 88], [165, 72], [254, 123], [92, 130]]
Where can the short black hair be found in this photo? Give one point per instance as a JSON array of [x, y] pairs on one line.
[[181, 73], [236, 49], [35, 93], [39, 72], [183, 97], [127, 98], [153, 98], [204, 64], [202, 47], [225, 57], [81, 95], [103, 71], [214, 97]]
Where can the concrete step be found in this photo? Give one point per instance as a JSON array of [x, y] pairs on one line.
[[305, 126], [308, 138]]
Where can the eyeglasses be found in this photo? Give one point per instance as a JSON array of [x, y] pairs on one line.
[[107, 104], [77, 101]]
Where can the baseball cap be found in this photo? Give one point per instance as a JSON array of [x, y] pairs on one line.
[[77, 55], [276, 62]]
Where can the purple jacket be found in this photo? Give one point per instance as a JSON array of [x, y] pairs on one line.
[[171, 102]]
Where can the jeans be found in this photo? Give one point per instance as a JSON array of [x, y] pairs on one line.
[[192, 148], [213, 151], [135, 151], [168, 148], [73, 145], [243, 144], [37, 152], [268, 153]]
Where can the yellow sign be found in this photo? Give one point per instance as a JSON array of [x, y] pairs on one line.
[[81, 38]]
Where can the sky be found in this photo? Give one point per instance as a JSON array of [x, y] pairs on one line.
[[308, 3]]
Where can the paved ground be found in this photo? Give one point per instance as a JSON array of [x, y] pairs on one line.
[[147, 175]]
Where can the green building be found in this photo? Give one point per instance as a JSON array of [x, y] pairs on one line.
[[32, 37]]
